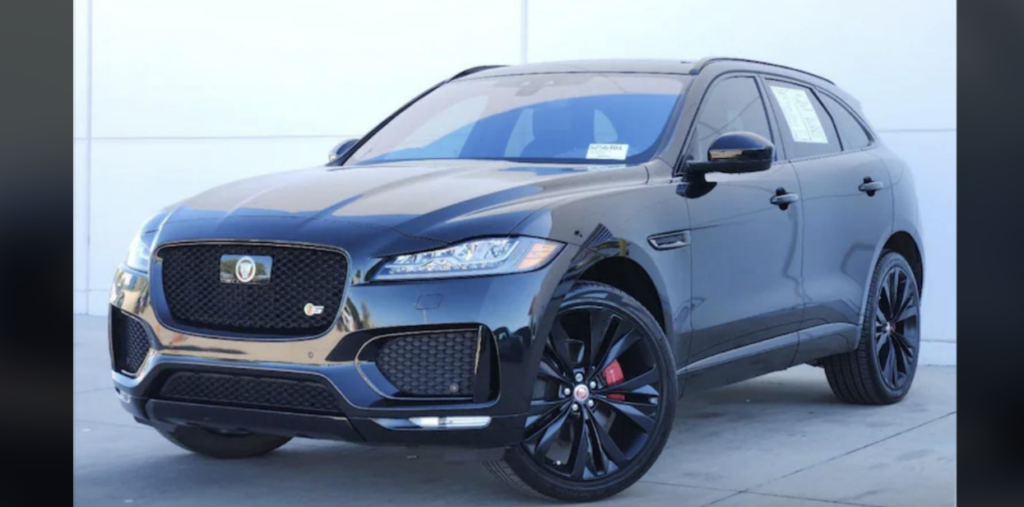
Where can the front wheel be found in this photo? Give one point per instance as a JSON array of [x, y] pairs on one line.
[[603, 401], [881, 369]]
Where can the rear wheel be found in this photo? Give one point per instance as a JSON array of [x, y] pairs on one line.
[[881, 369], [223, 444], [603, 401]]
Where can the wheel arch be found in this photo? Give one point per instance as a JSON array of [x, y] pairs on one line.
[[630, 277], [904, 244]]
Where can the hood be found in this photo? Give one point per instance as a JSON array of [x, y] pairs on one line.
[[442, 201]]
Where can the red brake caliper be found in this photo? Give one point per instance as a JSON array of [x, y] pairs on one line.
[[613, 375]]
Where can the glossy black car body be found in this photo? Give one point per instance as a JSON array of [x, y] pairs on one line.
[[742, 281]]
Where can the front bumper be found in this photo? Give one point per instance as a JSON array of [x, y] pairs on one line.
[[511, 310]]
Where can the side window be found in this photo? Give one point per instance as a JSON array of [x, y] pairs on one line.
[[733, 105], [805, 124], [850, 130]]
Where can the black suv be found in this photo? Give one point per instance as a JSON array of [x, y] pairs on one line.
[[539, 259]]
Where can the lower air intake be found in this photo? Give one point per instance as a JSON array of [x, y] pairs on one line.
[[431, 364], [129, 341], [250, 392]]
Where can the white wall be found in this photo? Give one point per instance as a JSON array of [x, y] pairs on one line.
[[175, 97]]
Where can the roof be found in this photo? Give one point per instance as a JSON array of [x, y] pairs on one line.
[[627, 66], [638, 66]]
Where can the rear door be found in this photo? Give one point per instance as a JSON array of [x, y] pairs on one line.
[[847, 207], [746, 251]]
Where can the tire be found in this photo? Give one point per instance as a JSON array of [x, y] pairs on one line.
[[647, 385], [881, 369], [222, 445]]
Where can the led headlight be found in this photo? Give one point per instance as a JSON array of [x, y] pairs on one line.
[[491, 256], [140, 251]]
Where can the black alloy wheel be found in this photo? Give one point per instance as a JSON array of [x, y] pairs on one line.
[[881, 370], [603, 401], [896, 328]]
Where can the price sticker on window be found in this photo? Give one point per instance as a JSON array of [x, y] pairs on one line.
[[802, 119], [599, 151]]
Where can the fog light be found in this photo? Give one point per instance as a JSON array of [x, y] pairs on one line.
[[124, 397], [452, 422]]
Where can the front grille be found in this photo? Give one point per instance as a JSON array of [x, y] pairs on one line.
[[431, 364], [197, 298], [250, 391], [129, 341]]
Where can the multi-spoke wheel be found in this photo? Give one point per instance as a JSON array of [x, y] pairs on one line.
[[882, 368], [896, 336], [602, 402]]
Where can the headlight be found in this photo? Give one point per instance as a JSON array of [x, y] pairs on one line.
[[140, 250], [492, 256]]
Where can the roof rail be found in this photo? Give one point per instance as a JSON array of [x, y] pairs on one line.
[[704, 62], [474, 70]]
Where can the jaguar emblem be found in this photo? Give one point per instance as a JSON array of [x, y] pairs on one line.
[[245, 269]]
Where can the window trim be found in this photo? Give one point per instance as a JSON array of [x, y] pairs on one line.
[[872, 138], [681, 162]]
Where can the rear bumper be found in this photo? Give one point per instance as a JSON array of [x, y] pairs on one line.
[[509, 310]]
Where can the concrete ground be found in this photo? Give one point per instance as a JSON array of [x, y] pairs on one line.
[[780, 440]]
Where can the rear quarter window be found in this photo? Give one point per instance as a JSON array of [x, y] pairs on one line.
[[851, 132]]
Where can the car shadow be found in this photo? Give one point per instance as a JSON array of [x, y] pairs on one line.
[[308, 472]]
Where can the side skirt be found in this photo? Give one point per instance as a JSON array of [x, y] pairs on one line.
[[773, 354]]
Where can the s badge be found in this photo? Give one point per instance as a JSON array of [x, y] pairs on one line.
[[310, 309]]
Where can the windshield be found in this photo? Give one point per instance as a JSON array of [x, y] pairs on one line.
[[558, 118]]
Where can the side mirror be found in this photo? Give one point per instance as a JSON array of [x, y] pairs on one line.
[[736, 153], [340, 149]]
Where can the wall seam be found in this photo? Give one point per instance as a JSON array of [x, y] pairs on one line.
[[921, 131], [87, 191]]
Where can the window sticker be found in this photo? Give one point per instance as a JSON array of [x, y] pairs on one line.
[[600, 151], [803, 121]]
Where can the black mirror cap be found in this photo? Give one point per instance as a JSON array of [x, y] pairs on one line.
[[341, 149], [735, 153]]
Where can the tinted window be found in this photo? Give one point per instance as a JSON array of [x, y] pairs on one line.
[[805, 124], [733, 105], [850, 130], [570, 118]]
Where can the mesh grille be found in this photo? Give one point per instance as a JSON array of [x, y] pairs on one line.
[[197, 298], [431, 364], [248, 391], [130, 342]]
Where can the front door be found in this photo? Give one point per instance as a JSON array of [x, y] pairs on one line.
[[746, 251]]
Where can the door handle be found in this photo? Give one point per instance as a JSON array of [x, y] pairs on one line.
[[870, 187], [782, 199]]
